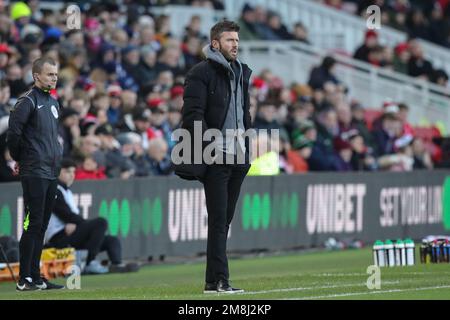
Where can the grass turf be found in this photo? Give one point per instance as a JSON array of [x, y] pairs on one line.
[[316, 275]]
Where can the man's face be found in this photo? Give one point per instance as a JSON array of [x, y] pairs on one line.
[[48, 77], [67, 175], [228, 44]]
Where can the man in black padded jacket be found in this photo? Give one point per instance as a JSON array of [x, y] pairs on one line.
[[32, 139]]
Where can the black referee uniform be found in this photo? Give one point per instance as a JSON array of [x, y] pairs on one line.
[[32, 139]]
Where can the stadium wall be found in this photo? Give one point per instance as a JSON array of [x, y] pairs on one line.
[[167, 215]]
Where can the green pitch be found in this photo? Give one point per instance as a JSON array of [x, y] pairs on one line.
[[318, 275]]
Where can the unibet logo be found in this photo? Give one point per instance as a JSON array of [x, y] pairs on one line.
[[5, 221], [446, 203], [258, 212], [137, 217]]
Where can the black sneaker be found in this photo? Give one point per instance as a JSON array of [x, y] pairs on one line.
[[224, 287], [210, 287], [26, 285], [44, 284]]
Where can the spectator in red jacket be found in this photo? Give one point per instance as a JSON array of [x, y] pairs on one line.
[[89, 170]]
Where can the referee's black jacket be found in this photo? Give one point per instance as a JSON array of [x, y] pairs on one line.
[[32, 136]]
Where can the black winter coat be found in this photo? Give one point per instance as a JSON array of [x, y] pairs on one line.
[[207, 95], [32, 136]]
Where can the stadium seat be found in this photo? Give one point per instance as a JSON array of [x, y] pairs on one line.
[[370, 115]]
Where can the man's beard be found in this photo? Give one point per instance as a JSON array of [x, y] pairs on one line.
[[227, 56]]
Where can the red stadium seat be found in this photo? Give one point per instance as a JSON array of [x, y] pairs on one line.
[[370, 115]]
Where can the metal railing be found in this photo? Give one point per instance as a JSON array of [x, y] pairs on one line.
[[293, 61], [180, 17], [321, 21]]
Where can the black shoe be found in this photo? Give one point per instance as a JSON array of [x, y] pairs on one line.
[[26, 285], [210, 287], [121, 268], [44, 284], [224, 287]]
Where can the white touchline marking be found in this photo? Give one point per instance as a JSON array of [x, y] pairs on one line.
[[312, 288], [371, 292]]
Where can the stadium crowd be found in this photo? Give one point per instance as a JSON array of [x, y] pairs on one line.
[[121, 82], [428, 20]]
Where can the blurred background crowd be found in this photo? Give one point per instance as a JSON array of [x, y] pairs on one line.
[[121, 82]]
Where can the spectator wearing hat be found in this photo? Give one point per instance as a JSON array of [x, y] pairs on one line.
[[20, 13], [115, 163], [5, 54], [388, 107], [174, 117], [370, 42], [114, 112], [130, 60], [93, 38], [176, 97], [298, 113], [69, 129], [301, 151], [401, 58], [343, 155], [52, 35], [159, 120], [359, 123], [385, 136], [141, 125]]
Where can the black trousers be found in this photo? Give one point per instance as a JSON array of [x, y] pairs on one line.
[[39, 197], [222, 184], [90, 235]]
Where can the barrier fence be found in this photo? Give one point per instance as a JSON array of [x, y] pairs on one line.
[[167, 215]]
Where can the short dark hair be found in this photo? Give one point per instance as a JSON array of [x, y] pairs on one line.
[[223, 26], [68, 163], [403, 106], [38, 64]]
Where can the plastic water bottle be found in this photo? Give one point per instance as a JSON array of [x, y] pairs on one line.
[[390, 256], [447, 251], [400, 255], [410, 252], [425, 252], [435, 252], [379, 254]]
